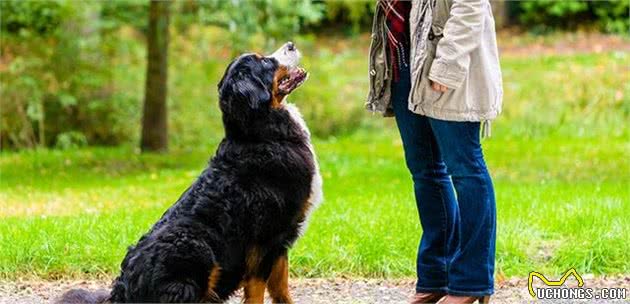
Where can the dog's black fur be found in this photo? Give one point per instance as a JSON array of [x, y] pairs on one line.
[[253, 196]]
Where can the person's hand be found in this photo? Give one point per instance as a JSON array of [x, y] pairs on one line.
[[438, 87]]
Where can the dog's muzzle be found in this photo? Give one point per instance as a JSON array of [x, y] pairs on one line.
[[287, 55]]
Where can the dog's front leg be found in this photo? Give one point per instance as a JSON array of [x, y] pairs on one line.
[[255, 291], [278, 282]]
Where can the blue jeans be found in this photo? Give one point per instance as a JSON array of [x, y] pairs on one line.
[[455, 200]]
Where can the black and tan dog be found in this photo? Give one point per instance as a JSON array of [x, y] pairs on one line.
[[232, 228]]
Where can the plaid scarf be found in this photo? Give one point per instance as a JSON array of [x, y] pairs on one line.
[[397, 27]]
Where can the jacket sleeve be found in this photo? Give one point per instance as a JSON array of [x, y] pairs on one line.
[[462, 35]]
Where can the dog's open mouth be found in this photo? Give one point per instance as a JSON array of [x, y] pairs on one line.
[[294, 78]]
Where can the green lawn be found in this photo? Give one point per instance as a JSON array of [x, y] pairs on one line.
[[561, 203], [558, 155]]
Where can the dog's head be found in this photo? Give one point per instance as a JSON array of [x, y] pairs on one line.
[[255, 84]]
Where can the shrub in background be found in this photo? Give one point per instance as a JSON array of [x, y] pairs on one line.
[[276, 20], [59, 76], [541, 16], [356, 13], [115, 14], [40, 17], [613, 16]]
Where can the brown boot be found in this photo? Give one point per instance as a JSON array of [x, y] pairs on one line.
[[426, 297], [464, 299]]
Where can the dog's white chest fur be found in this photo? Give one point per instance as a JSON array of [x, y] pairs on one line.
[[317, 194]]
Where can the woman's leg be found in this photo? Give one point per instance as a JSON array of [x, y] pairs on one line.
[[472, 266], [434, 193]]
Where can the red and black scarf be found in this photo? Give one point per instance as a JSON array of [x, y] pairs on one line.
[[397, 27]]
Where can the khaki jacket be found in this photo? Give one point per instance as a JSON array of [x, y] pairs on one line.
[[461, 54]]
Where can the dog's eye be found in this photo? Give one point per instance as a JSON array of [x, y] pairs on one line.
[[266, 62]]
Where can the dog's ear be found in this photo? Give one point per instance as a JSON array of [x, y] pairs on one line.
[[239, 86], [225, 75], [252, 89]]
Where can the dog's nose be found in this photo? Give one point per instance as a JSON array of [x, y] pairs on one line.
[[290, 46]]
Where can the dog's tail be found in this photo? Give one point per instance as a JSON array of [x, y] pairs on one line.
[[82, 296]]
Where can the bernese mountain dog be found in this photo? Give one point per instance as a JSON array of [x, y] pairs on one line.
[[233, 226]]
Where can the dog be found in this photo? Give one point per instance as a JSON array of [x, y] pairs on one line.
[[233, 227]]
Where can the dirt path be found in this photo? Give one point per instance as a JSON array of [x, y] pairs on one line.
[[516, 44], [304, 290]]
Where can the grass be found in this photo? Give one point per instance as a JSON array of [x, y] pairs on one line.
[[562, 204], [558, 155]]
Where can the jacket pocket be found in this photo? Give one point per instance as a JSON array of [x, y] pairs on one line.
[[431, 95], [427, 93]]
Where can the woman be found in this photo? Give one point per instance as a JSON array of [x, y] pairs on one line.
[[434, 66]]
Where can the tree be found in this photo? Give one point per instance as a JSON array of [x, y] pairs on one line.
[[154, 119], [500, 12]]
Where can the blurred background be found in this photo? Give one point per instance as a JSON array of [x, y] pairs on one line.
[[73, 73], [79, 180]]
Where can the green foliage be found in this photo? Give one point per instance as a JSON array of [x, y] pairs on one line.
[[70, 140], [60, 81], [358, 14], [276, 20], [547, 15], [543, 15], [40, 17], [71, 74], [21, 104], [79, 67], [613, 16], [115, 14]]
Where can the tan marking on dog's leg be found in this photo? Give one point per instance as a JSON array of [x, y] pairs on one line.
[[278, 282], [213, 279], [252, 260], [254, 291]]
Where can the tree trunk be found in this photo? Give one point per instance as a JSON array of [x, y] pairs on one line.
[[154, 119], [500, 12]]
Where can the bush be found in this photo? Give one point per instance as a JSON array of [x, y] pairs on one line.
[[546, 15], [115, 14], [59, 77], [275, 20], [41, 17], [613, 17], [70, 140], [358, 14]]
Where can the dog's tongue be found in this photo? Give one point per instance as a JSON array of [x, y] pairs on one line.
[[296, 72], [296, 76]]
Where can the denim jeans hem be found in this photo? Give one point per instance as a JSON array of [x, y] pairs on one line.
[[432, 289], [455, 292]]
